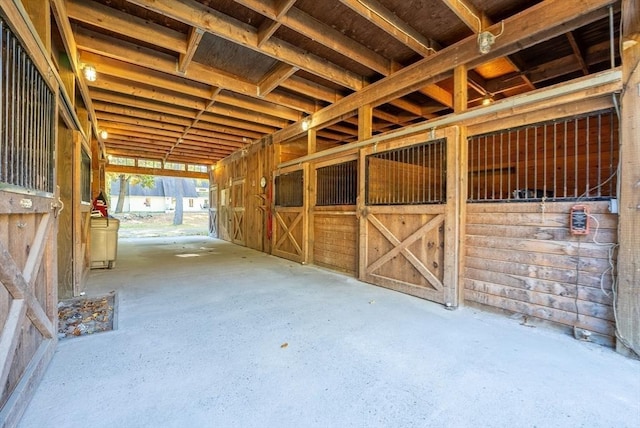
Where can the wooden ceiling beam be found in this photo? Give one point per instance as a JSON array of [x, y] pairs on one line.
[[275, 77], [593, 55], [132, 152], [162, 147], [123, 169], [477, 21], [542, 21], [222, 108], [162, 81], [59, 10], [333, 39], [114, 20], [198, 15], [394, 26], [472, 17], [195, 37], [269, 27], [577, 52], [189, 139], [126, 52], [374, 12], [197, 135]]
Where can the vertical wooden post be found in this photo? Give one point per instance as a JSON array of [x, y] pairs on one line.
[[459, 211], [312, 141], [365, 122], [309, 203], [628, 295], [76, 214], [452, 218], [365, 130], [460, 89], [361, 214]]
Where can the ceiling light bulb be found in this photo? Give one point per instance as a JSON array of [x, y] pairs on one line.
[[486, 100], [305, 124], [104, 134], [90, 73]]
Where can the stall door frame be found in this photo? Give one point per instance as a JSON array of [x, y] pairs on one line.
[[289, 220], [443, 290], [236, 210]]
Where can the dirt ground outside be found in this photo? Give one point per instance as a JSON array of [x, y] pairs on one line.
[[140, 225]]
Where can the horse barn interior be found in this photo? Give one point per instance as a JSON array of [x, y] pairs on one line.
[[469, 152]]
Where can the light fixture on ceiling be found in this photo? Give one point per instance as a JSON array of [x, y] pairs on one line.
[[487, 99], [89, 72], [306, 122], [104, 134], [486, 39]]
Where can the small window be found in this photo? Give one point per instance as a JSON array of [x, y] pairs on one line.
[[85, 177], [190, 203]]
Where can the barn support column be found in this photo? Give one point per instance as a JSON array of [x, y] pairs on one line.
[[628, 296], [365, 122], [458, 165]]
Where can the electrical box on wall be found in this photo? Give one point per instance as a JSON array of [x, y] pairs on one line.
[[579, 220]]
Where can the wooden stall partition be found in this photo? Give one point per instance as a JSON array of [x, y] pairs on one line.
[[29, 208], [333, 215], [406, 241], [523, 258], [289, 234]]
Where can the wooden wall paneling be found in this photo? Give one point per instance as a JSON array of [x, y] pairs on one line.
[[521, 258], [40, 14], [628, 302]]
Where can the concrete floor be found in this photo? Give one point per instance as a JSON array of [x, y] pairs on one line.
[[200, 344]]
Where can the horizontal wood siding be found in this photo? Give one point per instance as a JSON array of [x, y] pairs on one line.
[[335, 244], [521, 257]]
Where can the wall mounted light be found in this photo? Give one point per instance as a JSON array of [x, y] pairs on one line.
[[89, 72], [104, 134]]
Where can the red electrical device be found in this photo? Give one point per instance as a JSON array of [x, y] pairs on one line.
[[579, 224]]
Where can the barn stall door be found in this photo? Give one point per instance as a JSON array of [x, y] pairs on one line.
[[236, 212], [213, 211], [406, 243], [289, 231], [28, 228]]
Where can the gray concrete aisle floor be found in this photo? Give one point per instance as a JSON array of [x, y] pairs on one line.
[[199, 344]]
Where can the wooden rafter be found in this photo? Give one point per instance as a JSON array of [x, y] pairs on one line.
[[577, 52], [210, 20], [195, 36]]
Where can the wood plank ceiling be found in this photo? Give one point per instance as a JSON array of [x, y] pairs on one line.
[[193, 81]]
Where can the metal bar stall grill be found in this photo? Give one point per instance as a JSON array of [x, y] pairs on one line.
[[289, 189], [565, 159], [408, 175], [27, 112], [337, 184]]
